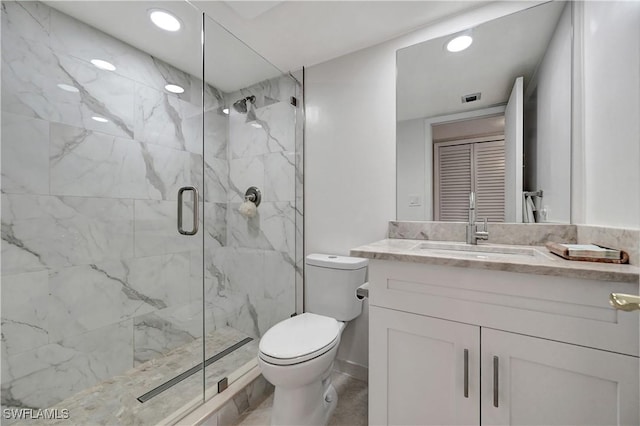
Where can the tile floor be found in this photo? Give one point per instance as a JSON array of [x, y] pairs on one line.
[[351, 410], [114, 401]]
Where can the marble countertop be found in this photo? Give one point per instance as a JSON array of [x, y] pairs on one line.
[[525, 259]]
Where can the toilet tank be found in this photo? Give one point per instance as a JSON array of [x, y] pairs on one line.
[[331, 283]]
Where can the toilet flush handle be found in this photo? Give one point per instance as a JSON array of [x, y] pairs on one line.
[[362, 292]]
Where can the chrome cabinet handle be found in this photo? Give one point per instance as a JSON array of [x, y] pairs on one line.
[[196, 207], [625, 302], [466, 373], [495, 381]]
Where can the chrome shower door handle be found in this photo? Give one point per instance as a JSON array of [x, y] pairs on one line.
[[624, 302], [196, 207]]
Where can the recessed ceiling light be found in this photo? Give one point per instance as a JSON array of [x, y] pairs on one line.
[[174, 88], [99, 119], [257, 125], [459, 43], [225, 110], [103, 65], [164, 20], [68, 88]]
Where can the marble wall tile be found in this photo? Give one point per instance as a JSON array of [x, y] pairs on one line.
[[50, 373], [278, 226], [244, 173], [216, 136], [77, 39], [89, 163], [164, 119], [215, 225], [46, 231], [86, 298], [216, 180], [30, 78], [279, 176], [156, 229], [277, 131], [25, 155], [159, 332], [27, 19], [163, 279], [24, 311]]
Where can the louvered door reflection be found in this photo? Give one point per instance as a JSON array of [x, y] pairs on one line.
[[489, 179], [462, 167]]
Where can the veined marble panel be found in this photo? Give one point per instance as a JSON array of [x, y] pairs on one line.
[[279, 176], [215, 225], [273, 228], [87, 163], [278, 226], [279, 300], [30, 78], [86, 298], [156, 229], [277, 131], [157, 333], [24, 311], [46, 231], [162, 118], [216, 179], [244, 173], [27, 19], [48, 374], [216, 135], [25, 155], [78, 39]]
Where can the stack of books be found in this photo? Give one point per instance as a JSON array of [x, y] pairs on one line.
[[584, 251]]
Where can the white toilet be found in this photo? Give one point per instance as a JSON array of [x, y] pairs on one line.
[[296, 355]]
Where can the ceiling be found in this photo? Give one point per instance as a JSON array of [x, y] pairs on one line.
[[431, 80], [291, 34]]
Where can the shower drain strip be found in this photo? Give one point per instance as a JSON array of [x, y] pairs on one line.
[[193, 370]]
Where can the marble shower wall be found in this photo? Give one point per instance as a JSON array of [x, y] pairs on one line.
[[253, 276], [95, 277]]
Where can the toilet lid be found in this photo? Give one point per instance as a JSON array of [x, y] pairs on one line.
[[299, 336]]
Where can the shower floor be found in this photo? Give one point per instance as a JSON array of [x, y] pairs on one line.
[[114, 401]]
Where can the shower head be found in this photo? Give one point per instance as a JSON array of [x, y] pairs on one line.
[[241, 105]]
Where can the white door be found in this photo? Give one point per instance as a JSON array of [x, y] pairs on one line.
[[527, 380], [417, 369], [513, 136]]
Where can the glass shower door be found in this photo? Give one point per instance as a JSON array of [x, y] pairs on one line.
[[102, 298], [252, 202]]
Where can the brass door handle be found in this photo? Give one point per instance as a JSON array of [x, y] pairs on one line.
[[625, 302]]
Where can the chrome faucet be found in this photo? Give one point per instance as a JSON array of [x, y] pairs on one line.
[[473, 235]]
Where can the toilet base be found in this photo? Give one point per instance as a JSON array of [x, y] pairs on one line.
[[309, 405]]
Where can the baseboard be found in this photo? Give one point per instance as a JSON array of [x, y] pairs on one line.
[[352, 369]]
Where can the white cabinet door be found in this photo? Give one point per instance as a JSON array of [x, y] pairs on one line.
[[542, 382], [417, 370]]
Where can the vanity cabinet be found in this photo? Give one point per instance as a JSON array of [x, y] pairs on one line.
[[468, 346]]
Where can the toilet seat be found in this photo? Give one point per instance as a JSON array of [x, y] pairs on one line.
[[299, 339]]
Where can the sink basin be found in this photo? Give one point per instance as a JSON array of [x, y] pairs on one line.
[[481, 251]]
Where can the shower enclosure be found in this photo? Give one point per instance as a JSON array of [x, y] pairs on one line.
[[109, 314]]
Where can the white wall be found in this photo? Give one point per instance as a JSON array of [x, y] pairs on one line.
[[611, 114], [350, 154], [552, 140], [411, 176]]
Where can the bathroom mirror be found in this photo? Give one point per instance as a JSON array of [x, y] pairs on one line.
[[494, 118]]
